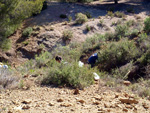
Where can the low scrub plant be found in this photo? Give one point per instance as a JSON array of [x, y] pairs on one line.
[[5, 44], [147, 25], [121, 31], [119, 14], [7, 79], [67, 35], [117, 54], [81, 18], [110, 13], [88, 14], [27, 32], [68, 75]]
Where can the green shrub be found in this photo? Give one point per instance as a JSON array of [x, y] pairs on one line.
[[27, 32], [119, 14], [116, 54], [147, 25], [109, 36], [5, 44], [81, 18], [121, 31], [43, 59], [110, 13], [67, 35], [130, 23], [122, 71], [69, 18], [145, 58], [68, 74], [88, 14], [88, 28]]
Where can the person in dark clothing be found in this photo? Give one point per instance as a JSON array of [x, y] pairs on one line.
[[58, 58], [92, 59]]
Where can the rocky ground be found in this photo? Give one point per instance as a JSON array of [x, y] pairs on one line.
[[95, 99], [48, 28]]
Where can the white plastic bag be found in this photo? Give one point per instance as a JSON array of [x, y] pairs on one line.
[[81, 64], [96, 76]]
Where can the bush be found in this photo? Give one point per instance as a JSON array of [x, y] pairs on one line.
[[5, 44], [130, 23], [69, 75], [67, 35], [119, 14], [7, 79], [81, 18], [110, 13], [88, 14], [117, 54], [147, 24], [27, 32], [121, 31]]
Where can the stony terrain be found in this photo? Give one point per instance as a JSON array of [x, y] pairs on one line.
[[48, 28], [95, 99]]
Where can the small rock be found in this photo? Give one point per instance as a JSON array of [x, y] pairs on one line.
[[128, 106], [128, 100], [106, 105], [96, 103], [27, 101], [81, 101], [35, 75], [10, 112], [145, 106], [51, 104], [60, 100], [25, 107], [25, 76], [125, 110], [66, 104], [127, 83], [76, 91], [15, 102]]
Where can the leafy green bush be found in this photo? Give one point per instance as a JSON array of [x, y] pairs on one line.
[[67, 35], [121, 31], [81, 18], [116, 54], [147, 25], [43, 59], [68, 74], [119, 14], [5, 44], [27, 32], [130, 23], [88, 14], [110, 13]]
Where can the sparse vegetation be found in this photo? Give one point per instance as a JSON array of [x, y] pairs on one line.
[[147, 25], [81, 18], [110, 13], [27, 32], [72, 75], [67, 35], [119, 14]]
